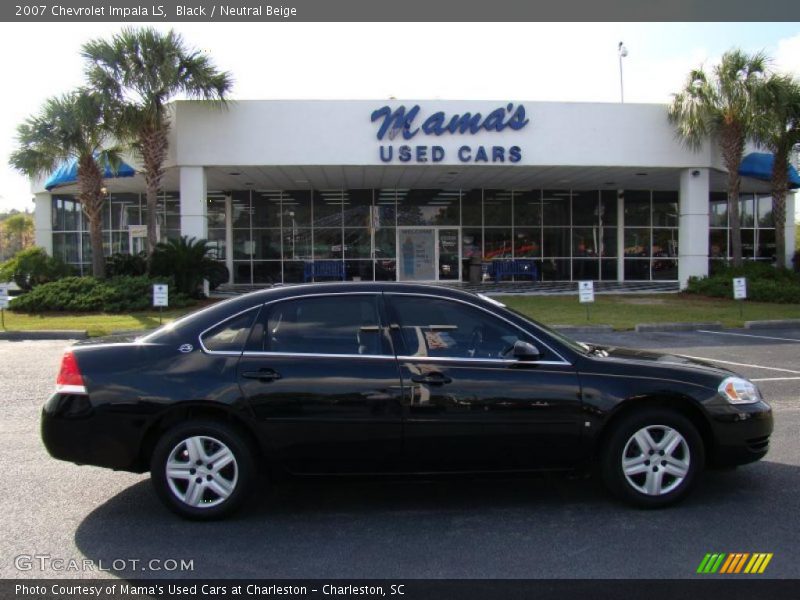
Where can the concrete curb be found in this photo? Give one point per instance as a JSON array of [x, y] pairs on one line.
[[772, 324], [570, 329], [655, 327], [56, 334]]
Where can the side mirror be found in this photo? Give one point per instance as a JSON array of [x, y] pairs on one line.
[[525, 351]]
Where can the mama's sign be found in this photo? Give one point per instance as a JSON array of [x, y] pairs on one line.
[[404, 122]]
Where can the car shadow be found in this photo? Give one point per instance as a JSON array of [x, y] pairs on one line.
[[456, 527]]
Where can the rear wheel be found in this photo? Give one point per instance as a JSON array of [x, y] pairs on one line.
[[652, 458], [202, 469]]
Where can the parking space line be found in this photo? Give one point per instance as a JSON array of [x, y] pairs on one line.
[[777, 379], [750, 335], [738, 364]]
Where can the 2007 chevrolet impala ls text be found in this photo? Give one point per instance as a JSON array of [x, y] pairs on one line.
[[366, 378]]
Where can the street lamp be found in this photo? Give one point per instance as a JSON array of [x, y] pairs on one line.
[[622, 51]]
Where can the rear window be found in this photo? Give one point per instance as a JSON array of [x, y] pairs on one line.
[[230, 335]]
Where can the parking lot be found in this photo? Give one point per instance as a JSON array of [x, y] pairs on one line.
[[520, 527]]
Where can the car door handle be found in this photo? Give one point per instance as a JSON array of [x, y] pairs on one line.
[[432, 379], [262, 375]]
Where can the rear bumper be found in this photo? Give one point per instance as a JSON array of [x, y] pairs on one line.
[[74, 431], [742, 433]]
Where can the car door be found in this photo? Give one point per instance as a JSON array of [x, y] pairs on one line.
[[323, 382], [469, 404]]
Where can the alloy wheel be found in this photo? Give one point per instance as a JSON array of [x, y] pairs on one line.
[[201, 471], [656, 460]]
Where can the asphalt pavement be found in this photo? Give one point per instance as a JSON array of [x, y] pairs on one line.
[[521, 527]]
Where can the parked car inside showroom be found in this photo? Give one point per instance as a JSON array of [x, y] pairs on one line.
[[367, 378]]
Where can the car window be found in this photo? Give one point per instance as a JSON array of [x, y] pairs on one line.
[[230, 335], [325, 325], [442, 328]]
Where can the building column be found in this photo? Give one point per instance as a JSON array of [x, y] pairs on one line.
[[43, 222], [693, 233], [790, 231], [193, 203], [229, 236], [620, 235]]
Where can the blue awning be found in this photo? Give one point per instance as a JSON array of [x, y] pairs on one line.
[[758, 165], [67, 173]]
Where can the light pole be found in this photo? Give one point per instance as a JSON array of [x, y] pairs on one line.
[[622, 51]]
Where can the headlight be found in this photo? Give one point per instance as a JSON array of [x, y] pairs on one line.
[[738, 391]]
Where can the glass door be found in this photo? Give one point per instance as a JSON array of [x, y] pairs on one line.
[[428, 254], [448, 250]]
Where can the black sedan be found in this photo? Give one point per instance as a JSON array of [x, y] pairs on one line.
[[365, 378]]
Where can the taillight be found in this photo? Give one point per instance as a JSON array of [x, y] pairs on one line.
[[70, 380]]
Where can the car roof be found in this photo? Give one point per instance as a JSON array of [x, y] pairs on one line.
[[216, 313]]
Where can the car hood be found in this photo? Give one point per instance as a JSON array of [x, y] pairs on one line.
[[661, 358]]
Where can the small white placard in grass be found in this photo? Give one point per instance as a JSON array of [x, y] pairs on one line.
[[160, 294], [586, 291], [4, 299], [739, 288]]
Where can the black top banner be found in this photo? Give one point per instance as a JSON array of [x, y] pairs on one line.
[[405, 10]]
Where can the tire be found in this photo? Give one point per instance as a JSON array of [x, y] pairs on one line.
[[638, 438], [200, 490]]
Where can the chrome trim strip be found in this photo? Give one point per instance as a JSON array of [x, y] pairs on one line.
[[495, 315], [504, 361], [315, 355], [563, 361]]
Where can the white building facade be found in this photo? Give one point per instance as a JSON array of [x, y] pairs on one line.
[[415, 190]]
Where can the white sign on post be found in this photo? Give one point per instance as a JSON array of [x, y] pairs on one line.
[[4, 296], [160, 294], [586, 291], [739, 288]]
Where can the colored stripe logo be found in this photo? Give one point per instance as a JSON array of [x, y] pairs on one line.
[[734, 562]]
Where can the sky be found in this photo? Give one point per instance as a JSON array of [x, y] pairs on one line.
[[481, 61]]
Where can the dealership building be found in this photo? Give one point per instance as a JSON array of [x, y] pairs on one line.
[[419, 190]]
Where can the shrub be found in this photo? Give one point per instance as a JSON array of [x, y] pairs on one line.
[[31, 267], [130, 265], [764, 283], [87, 294], [186, 261]]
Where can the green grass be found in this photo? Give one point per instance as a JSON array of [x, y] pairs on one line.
[[619, 311], [96, 324], [625, 311]]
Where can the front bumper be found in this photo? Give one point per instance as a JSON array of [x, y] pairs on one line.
[[74, 431], [741, 432]]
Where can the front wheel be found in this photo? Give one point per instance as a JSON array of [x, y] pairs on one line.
[[652, 458], [202, 470]]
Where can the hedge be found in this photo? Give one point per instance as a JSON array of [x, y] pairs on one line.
[[87, 294]]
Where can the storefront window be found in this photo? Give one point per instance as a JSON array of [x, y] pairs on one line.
[[428, 207], [665, 209], [586, 208], [358, 208], [527, 241], [497, 208], [497, 243], [266, 209], [746, 218], [527, 208], [328, 208], [472, 208], [637, 208], [556, 207]]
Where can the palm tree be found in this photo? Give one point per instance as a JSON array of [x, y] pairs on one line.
[[722, 104], [778, 130], [142, 70], [72, 127]]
